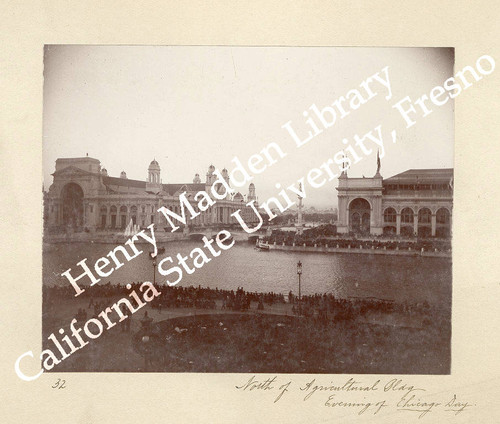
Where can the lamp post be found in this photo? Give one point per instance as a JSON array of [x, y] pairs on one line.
[[154, 267], [299, 273], [145, 344], [154, 272]]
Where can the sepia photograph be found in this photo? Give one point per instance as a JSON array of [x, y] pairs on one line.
[[249, 212], [216, 209]]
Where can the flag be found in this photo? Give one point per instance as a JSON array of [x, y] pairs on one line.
[[378, 162]]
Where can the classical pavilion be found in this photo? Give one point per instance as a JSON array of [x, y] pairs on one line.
[[416, 202]]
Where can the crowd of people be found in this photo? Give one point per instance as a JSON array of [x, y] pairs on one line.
[[324, 304], [170, 297], [98, 297], [375, 243]]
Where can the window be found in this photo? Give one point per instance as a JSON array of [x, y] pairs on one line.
[[424, 216], [407, 215], [390, 215], [443, 216]]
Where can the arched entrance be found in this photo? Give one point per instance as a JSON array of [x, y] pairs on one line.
[[390, 216], [443, 223], [72, 202], [424, 222], [407, 220], [113, 212], [123, 217], [133, 214], [359, 216]]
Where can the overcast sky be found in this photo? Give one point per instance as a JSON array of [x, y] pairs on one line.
[[189, 107]]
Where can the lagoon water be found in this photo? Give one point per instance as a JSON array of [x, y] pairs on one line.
[[396, 278]]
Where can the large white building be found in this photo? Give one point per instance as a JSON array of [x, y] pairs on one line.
[[417, 202], [83, 197]]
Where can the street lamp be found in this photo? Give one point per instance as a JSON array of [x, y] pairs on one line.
[[154, 267], [299, 273]]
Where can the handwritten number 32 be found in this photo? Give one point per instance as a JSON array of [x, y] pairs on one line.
[[59, 384]]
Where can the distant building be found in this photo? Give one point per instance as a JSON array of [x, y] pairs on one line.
[[417, 202], [84, 197]]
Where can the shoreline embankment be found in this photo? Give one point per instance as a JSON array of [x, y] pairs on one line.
[[361, 250], [170, 237]]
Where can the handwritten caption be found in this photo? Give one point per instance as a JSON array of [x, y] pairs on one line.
[[374, 397]]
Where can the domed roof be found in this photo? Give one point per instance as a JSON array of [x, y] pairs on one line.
[[154, 164], [211, 168], [252, 185]]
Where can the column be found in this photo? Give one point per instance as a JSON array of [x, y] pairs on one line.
[[398, 223], [86, 213], [343, 212], [433, 225], [60, 213], [374, 213], [343, 219], [377, 216], [55, 214], [415, 223], [94, 216], [347, 220]]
